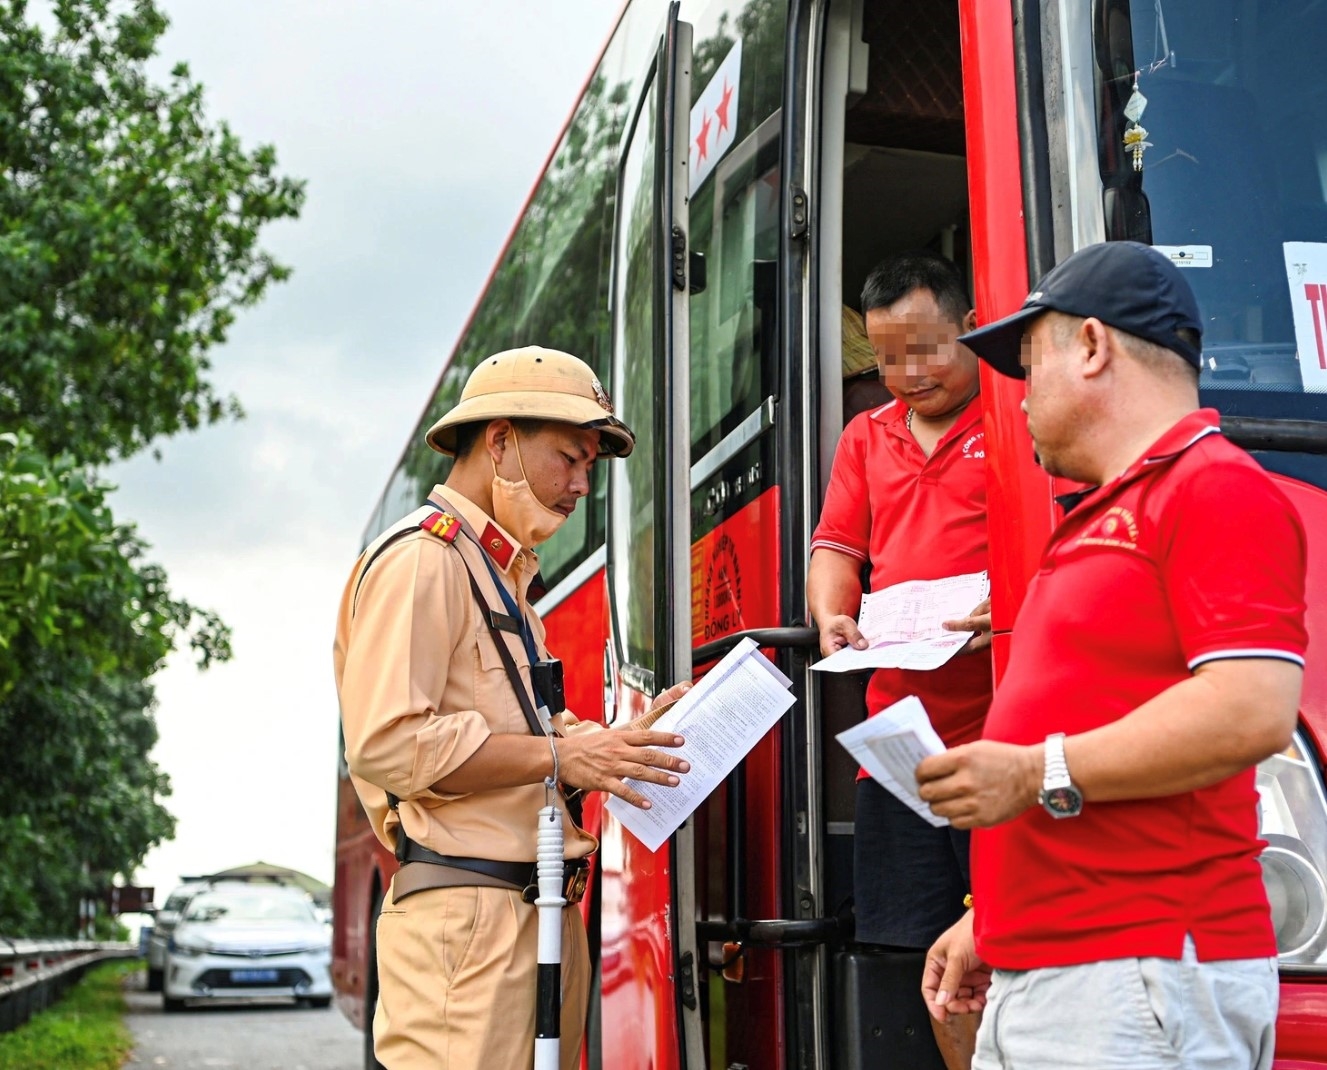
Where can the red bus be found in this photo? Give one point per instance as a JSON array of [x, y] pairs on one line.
[[730, 173]]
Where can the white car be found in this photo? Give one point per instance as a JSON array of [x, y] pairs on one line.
[[249, 941]]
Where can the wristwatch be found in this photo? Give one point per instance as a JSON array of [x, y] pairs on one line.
[[1059, 795]]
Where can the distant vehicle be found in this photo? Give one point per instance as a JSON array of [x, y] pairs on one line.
[[163, 924], [248, 941]]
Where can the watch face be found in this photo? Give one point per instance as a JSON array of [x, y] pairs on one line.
[[1063, 802]]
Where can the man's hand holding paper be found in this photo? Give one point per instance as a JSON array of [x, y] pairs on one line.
[[912, 625]]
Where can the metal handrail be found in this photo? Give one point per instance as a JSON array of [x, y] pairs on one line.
[[35, 973]]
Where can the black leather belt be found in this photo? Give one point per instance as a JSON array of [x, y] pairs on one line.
[[522, 875]]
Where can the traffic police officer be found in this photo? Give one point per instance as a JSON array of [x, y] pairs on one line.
[[445, 749]]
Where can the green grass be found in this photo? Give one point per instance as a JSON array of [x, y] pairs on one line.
[[84, 1031]]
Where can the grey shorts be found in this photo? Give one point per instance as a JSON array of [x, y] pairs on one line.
[[1132, 1014]]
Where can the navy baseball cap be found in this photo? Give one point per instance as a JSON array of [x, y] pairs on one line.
[[1126, 285]]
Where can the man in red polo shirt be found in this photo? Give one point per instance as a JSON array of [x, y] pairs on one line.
[[1156, 660], [907, 494]]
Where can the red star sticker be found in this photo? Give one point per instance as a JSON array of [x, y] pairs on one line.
[[722, 110], [703, 138]]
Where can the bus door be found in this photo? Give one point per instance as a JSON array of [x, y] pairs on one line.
[[892, 177], [757, 915], [647, 959]]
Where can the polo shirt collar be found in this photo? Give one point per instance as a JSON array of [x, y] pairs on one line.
[[894, 415], [494, 540], [1182, 434]]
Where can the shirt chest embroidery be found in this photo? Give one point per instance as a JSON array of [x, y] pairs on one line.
[[1117, 527]]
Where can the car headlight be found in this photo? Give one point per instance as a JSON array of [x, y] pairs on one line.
[[187, 947], [1292, 818]]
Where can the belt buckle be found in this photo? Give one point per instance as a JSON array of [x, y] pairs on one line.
[[576, 881]]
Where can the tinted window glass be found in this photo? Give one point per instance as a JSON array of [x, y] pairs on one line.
[[631, 505], [1234, 108], [736, 91]]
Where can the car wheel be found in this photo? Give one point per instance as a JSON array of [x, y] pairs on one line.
[[171, 1005], [371, 985], [316, 1002], [155, 979]]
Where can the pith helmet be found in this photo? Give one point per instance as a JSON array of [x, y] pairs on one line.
[[535, 384]]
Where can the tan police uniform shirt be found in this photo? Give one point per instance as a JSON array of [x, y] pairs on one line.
[[422, 686]]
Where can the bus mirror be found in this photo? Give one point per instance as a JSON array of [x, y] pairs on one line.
[[1127, 213], [696, 277]]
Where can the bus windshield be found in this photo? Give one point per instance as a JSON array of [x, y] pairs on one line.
[[1212, 145]]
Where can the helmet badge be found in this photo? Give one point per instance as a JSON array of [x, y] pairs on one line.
[[601, 396]]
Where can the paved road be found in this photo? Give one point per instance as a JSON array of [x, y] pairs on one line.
[[246, 1036]]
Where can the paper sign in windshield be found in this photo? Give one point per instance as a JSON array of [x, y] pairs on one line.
[[1306, 271]]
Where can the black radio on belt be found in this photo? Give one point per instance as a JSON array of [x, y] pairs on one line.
[[546, 675]]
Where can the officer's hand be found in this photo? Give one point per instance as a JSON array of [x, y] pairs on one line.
[[955, 980], [982, 783], [838, 632], [663, 702], [602, 761], [979, 621]]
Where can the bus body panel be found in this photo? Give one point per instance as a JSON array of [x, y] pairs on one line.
[[362, 865], [736, 587], [576, 630], [636, 953]]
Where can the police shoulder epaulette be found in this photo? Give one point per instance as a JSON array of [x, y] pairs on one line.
[[443, 525]]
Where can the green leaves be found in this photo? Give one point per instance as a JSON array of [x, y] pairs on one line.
[[128, 233], [129, 229]]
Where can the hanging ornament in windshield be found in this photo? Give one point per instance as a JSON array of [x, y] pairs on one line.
[[1135, 137]]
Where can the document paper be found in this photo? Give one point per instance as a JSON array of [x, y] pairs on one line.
[[722, 718], [902, 624], [889, 746]]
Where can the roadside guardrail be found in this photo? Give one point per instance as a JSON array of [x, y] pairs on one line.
[[34, 974]]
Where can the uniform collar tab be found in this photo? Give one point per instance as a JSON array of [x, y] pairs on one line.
[[493, 539]]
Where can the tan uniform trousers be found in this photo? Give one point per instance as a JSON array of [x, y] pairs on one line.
[[456, 976]]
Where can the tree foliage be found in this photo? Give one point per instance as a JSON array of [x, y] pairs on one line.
[[129, 233]]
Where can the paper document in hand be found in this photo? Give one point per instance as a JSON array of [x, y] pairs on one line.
[[902, 624], [889, 746], [722, 718]]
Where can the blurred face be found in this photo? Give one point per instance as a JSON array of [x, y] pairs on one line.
[[1053, 398], [557, 459], [920, 360]]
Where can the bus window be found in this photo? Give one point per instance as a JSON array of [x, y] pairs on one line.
[[631, 572]]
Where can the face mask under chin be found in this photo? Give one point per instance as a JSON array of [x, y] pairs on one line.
[[518, 509]]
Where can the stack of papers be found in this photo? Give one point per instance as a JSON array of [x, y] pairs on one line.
[[722, 718], [889, 746], [902, 624]]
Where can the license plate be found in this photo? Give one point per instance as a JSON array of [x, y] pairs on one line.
[[253, 977]]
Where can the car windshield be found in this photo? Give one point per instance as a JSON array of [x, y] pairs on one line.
[[250, 906], [1212, 143]]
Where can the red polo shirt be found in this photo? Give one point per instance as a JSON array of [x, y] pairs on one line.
[[915, 518], [1191, 555]]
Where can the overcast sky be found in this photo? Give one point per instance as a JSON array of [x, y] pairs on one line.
[[420, 126]]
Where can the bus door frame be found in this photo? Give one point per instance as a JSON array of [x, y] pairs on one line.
[[671, 74]]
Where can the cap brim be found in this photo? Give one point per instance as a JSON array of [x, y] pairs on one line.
[[614, 437], [1000, 343]]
